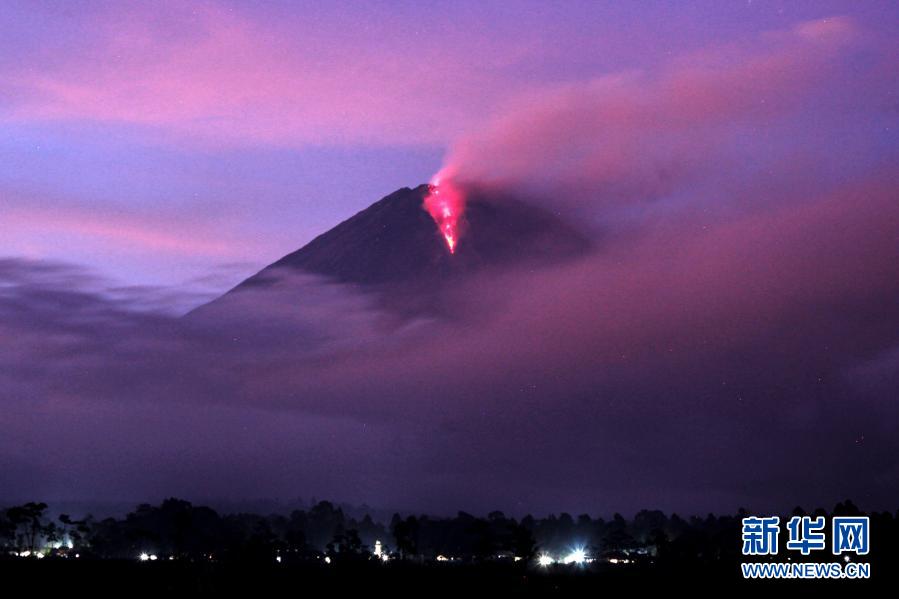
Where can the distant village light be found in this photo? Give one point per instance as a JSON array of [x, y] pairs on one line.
[[545, 560]]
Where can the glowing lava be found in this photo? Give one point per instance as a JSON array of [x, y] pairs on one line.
[[445, 203]]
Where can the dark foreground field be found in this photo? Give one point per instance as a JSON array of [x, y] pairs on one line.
[[129, 578]]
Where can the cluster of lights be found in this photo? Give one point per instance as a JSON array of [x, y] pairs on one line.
[[36, 554], [380, 553], [577, 556], [147, 557]]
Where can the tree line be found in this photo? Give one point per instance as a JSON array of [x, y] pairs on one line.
[[177, 529]]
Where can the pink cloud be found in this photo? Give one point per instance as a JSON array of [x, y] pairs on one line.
[[118, 231], [220, 76], [639, 136]]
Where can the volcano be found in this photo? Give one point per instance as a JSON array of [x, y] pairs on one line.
[[393, 250]]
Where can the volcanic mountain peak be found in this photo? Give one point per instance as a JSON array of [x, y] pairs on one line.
[[394, 243]]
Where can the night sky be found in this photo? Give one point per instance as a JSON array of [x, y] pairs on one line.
[[732, 338]]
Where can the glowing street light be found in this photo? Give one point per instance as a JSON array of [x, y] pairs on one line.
[[545, 560]]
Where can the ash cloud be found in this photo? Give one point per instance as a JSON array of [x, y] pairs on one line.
[[714, 131]]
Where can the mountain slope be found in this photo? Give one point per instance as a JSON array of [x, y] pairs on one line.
[[393, 247]]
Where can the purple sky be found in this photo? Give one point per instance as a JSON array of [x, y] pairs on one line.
[[736, 163], [156, 143]]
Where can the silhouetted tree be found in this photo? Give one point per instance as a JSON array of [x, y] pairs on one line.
[[29, 519], [523, 543], [405, 533]]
